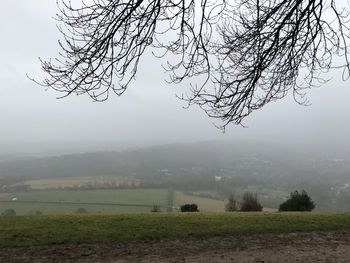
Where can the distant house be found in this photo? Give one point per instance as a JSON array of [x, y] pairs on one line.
[[165, 172], [218, 178]]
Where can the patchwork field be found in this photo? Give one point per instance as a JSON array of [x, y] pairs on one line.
[[101, 201], [80, 181]]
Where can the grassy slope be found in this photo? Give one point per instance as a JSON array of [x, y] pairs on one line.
[[75, 229]]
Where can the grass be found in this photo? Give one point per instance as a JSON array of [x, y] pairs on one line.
[[123, 196], [22, 231], [204, 204]]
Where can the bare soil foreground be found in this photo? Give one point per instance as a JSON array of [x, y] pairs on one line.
[[331, 246]]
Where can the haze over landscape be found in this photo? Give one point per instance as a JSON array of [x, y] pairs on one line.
[[142, 177], [33, 121], [43, 137], [35, 124]]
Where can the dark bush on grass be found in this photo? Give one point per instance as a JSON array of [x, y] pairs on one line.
[[298, 202], [81, 210], [231, 205], [156, 209], [250, 203], [189, 208], [9, 212]]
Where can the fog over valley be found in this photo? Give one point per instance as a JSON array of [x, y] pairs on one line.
[[149, 136], [34, 121], [218, 168], [174, 131]]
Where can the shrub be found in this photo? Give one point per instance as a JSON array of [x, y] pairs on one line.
[[81, 210], [231, 205], [9, 212], [189, 208], [155, 209], [298, 202], [250, 202]]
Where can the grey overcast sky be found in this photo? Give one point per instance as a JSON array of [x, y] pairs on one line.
[[33, 120]]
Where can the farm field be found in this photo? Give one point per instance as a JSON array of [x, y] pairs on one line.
[[106, 201], [131, 200], [79, 181], [23, 231], [204, 204]]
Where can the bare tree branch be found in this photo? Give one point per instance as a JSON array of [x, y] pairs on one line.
[[251, 52]]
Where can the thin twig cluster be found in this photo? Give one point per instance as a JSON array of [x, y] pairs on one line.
[[250, 52]]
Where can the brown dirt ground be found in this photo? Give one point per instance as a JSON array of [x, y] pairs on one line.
[[294, 247]]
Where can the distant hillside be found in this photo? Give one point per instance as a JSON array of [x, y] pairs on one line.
[[208, 168], [231, 158]]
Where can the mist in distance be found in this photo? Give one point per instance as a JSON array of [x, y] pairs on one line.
[[34, 121], [145, 139]]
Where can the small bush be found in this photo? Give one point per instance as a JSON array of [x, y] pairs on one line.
[[250, 203], [81, 210], [298, 202], [231, 205], [155, 209], [9, 212], [189, 208]]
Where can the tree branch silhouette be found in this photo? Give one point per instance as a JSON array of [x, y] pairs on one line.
[[249, 52]]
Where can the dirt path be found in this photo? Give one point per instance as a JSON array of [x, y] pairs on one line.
[[300, 247]]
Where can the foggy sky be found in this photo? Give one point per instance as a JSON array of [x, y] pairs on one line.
[[34, 120]]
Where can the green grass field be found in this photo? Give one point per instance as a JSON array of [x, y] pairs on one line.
[[147, 197], [204, 204], [76, 229]]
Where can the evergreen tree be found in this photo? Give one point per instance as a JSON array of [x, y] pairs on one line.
[[298, 202]]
